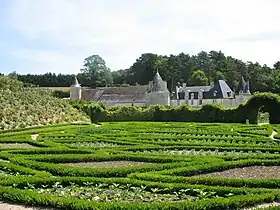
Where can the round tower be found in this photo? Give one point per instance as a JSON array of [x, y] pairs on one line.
[[76, 90], [158, 92]]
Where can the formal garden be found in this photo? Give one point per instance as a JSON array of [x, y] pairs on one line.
[[141, 165]]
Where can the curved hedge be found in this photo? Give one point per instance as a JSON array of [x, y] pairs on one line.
[[208, 113]]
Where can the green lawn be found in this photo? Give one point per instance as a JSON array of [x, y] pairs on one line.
[[141, 165]]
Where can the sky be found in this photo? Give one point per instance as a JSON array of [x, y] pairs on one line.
[[39, 36]]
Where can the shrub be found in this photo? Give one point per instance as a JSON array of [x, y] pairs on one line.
[[208, 113], [61, 94]]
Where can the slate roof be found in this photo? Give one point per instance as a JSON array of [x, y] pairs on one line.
[[76, 83], [222, 90], [116, 94], [196, 88], [219, 90], [158, 83], [241, 85]]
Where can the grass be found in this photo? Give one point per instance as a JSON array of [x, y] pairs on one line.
[[144, 165]]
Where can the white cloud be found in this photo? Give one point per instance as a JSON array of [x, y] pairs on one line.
[[122, 30]]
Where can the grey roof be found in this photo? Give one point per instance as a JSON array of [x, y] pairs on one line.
[[219, 90], [195, 88], [158, 83], [76, 83], [223, 89], [116, 94], [241, 85]]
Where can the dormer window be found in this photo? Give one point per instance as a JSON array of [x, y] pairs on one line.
[[192, 95], [215, 93]]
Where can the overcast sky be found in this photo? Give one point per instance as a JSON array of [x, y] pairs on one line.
[[39, 36]]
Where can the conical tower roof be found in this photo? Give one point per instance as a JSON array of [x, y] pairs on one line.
[[158, 83], [76, 83], [241, 85]]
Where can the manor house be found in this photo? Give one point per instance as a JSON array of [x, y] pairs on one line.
[[156, 92]]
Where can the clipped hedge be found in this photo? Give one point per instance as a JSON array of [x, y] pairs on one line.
[[268, 102], [32, 198]]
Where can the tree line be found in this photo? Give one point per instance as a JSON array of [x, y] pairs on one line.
[[199, 69]]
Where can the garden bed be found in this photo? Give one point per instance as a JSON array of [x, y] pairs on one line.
[[252, 172], [107, 164]]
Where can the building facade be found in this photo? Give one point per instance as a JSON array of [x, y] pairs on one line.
[[156, 92]]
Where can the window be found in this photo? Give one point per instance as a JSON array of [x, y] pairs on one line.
[[181, 95], [215, 93], [214, 101], [229, 94]]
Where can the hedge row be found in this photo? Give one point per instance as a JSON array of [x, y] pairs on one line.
[[242, 196], [208, 113], [209, 181], [51, 164], [32, 198]]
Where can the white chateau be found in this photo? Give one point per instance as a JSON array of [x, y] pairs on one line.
[[156, 92]]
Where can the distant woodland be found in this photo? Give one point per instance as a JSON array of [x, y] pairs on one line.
[[198, 69]]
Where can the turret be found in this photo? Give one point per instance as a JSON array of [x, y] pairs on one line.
[[158, 92], [158, 83], [241, 86], [243, 91], [76, 90]]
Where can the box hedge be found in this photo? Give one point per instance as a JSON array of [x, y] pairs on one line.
[[268, 102]]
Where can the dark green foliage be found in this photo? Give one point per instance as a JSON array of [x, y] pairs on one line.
[[208, 113], [61, 93]]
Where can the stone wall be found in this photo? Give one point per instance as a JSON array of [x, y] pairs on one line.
[[76, 93], [159, 97], [226, 102]]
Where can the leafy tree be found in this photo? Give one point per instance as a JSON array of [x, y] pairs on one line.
[[277, 65], [219, 76], [96, 72], [120, 77], [198, 78], [143, 69]]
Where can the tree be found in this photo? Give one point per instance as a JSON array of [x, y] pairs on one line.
[[142, 71], [277, 65], [120, 77], [219, 76], [96, 72], [198, 78], [13, 75]]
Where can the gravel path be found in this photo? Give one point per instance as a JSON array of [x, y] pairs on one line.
[[15, 146], [6, 206], [263, 206], [106, 164], [252, 172]]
